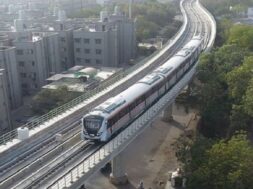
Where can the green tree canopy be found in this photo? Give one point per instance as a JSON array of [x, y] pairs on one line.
[[223, 7], [248, 99], [93, 12], [48, 99], [214, 100], [242, 36], [152, 17], [238, 79], [227, 165]]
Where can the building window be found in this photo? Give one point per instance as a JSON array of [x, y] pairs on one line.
[[23, 75], [63, 49], [78, 59], [21, 63], [33, 63], [77, 40], [20, 52], [78, 50], [87, 61], [24, 86], [33, 76], [63, 39], [98, 51], [98, 61], [86, 41], [98, 41], [87, 51], [29, 51]]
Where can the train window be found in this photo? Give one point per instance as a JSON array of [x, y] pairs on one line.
[[153, 89], [160, 85], [143, 97], [169, 77], [148, 94], [132, 106], [112, 121], [188, 60], [116, 118], [109, 123], [124, 112], [139, 101]]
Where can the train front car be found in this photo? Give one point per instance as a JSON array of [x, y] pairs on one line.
[[93, 126]]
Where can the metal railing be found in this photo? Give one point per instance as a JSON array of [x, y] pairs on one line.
[[62, 109]]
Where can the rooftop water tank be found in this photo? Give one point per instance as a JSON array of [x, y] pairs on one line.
[[11, 8], [103, 16], [23, 133], [117, 10], [61, 15], [56, 10], [21, 14]]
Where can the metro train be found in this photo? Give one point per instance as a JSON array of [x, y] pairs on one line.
[[117, 112]]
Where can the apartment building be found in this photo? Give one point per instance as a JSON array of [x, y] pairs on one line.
[[96, 48], [109, 42], [32, 65], [8, 62]]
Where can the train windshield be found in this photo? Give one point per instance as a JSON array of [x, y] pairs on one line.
[[92, 123]]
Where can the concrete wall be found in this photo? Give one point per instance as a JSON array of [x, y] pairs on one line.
[[66, 49], [52, 52], [127, 41], [5, 120], [9, 63]]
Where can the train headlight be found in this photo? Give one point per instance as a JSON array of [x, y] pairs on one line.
[[100, 133]]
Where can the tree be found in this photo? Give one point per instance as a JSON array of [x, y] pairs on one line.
[[238, 79], [223, 28], [87, 12], [242, 36], [48, 99], [213, 96], [223, 7], [248, 99], [239, 119], [227, 165], [151, 17]]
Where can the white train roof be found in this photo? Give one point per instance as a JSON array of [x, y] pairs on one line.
[[115, 104], [181, 55]]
